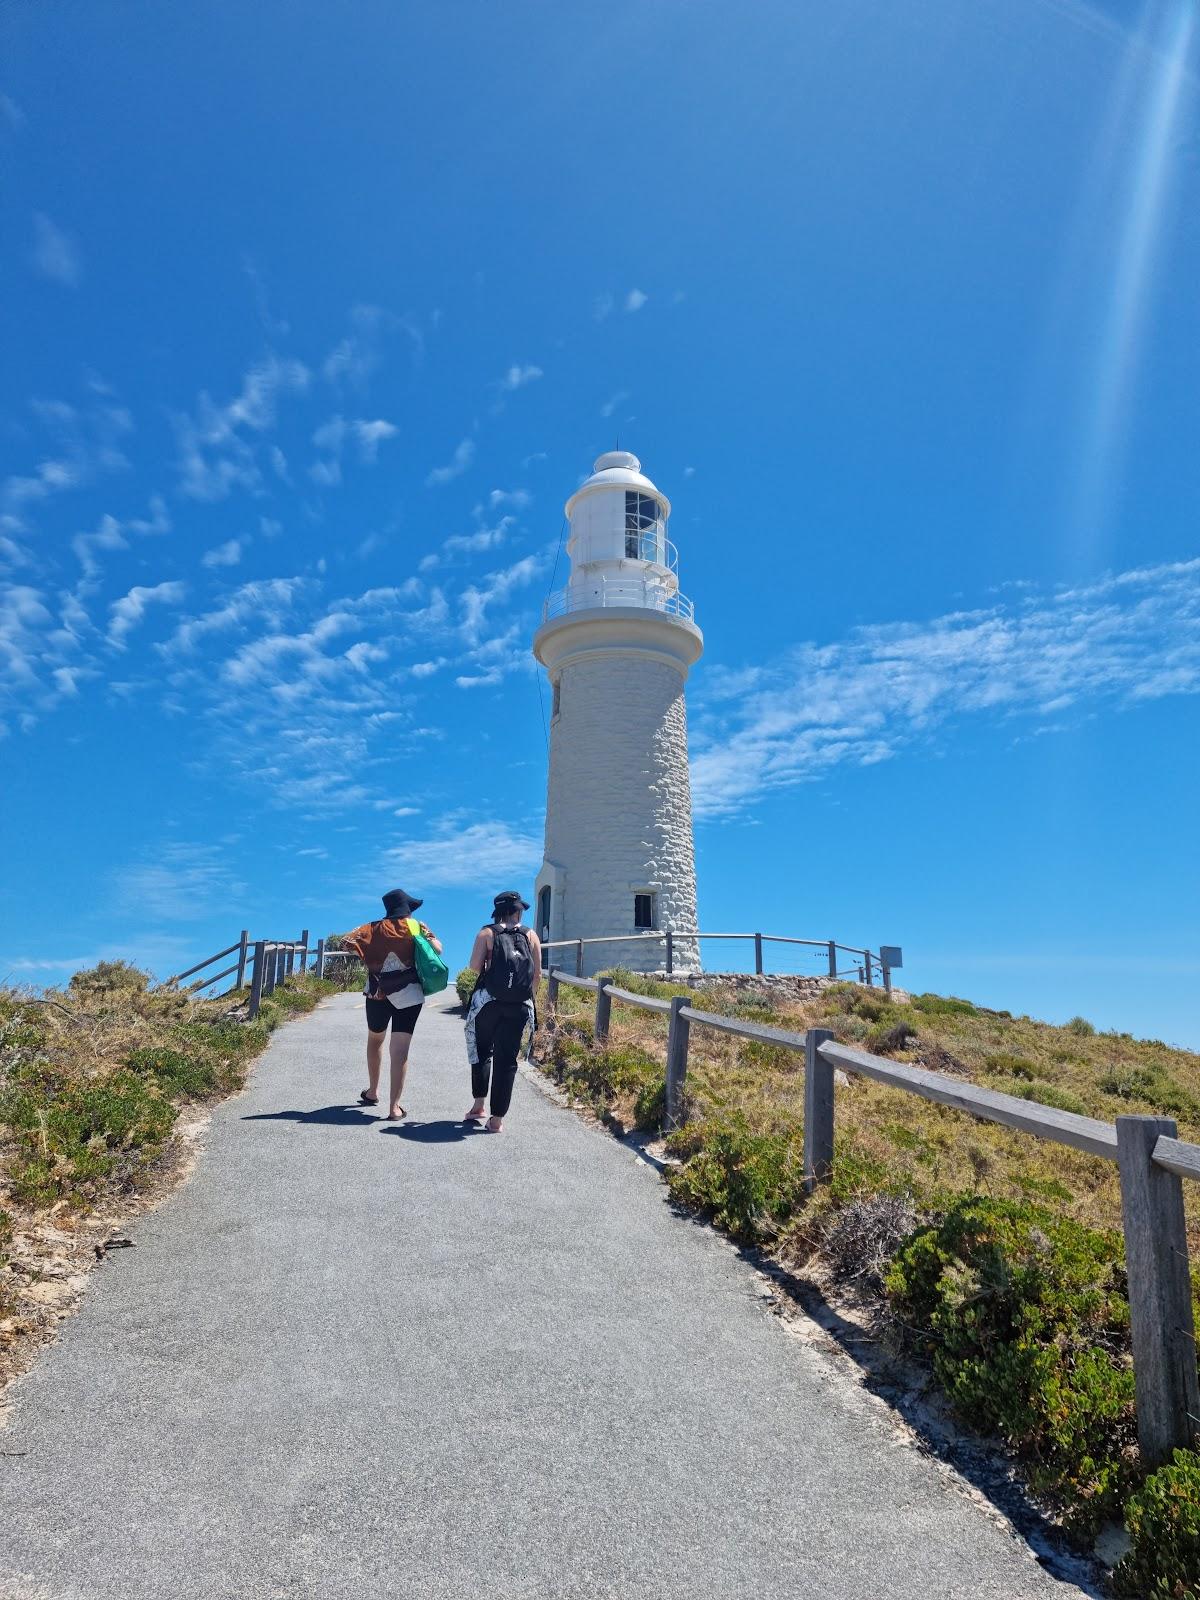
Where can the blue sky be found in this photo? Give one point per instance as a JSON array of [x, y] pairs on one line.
[[312, 318]]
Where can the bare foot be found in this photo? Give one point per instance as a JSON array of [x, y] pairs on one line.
[[397, 1114], [476, 1113], [494, 1125]]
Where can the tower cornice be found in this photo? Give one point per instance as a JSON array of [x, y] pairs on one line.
[[623, 629]]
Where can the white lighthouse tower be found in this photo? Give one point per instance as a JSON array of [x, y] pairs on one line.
[[617, 643]]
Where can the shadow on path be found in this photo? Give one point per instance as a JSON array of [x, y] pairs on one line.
[[442, 1132], [355, 1116]]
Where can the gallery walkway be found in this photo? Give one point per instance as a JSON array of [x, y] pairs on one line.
[[350, 1360]]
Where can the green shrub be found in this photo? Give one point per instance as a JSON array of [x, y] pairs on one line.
[[936, 1005], [1153, 1085], [112, 978], [1080, 1026], [1014, 1066], [465, 984], [1026, 1318], [70, 1133], [1163, 1518], [1047, 1094], [177, 1073], [749, 1183], [885, 1038]]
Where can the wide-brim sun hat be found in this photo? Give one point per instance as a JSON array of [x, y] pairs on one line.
[[398, 900]]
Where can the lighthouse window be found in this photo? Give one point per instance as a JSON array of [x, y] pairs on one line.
[[643, 910], [642, 512], [556, 703]]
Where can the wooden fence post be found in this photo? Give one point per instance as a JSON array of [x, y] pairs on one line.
[[887, 978], [758, 964], [603, 1011], [304, 951], [670, 952], [832, 959], [1160, 1292], [552, 988], [242, 948], [579, 958], [677, 1055], [289, 961], [320, 958], [867, 967], [818, 1110], [257, 973], [281, 970], [268, 967]]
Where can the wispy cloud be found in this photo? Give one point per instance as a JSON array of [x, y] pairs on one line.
[[223, 555], [611, 404], [55, 254], [465, 855], [1130, 637], [485, 538], [215, 454], [463, 456], [494, 589], [181, 883], [333, 436], [10, 112], [127, 613], [518, 376], [602, 306], [635, 299], [352, 361]]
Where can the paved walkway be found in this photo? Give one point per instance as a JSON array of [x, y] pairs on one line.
[[351, 1361]]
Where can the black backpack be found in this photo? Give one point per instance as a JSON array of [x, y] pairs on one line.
[[509, 974]]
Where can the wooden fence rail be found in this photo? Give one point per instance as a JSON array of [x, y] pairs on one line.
[[884, 960], [1151, 1160], [271, 962]]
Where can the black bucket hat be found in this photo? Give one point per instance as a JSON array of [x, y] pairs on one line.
[[508, 901], [397, 903]]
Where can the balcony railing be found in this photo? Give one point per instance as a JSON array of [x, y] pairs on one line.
[[651, 546], [618, 592]]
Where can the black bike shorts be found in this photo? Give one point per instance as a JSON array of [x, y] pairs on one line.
[[381, 1012]]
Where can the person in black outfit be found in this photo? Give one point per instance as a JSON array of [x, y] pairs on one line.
[[508, 959]]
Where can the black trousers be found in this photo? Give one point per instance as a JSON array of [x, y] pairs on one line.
[[498, 1030]]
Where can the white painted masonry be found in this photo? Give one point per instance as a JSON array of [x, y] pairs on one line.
[[617, 644]]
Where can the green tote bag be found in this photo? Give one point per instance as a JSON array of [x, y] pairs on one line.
[[432, 972]]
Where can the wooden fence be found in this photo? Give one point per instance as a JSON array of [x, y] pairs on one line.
[[864, 970], [271, 962], [1152, 1162]]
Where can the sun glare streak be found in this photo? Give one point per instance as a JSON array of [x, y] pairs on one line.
[[1167, 48]]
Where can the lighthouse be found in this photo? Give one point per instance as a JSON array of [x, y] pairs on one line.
[[617, 644]]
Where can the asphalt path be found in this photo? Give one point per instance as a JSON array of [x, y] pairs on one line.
[[353, 1360]]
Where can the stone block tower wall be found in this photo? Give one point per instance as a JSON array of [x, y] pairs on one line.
[[617, 644], [619, 805]]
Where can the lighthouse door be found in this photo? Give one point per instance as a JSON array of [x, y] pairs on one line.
[[543, 921]]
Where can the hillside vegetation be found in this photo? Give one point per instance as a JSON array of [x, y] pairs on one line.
[[993, 1256]]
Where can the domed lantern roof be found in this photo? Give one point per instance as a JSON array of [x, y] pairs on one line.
[[618, 469]]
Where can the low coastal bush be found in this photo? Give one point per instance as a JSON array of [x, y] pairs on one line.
[[465, 984], [1025, 1318], [1163, 1519], [750, 1183]]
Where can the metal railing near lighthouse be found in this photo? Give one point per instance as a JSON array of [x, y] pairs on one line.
[[864, 963], [618, 592]]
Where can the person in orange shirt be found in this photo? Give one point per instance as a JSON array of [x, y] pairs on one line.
[[393, 993]]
